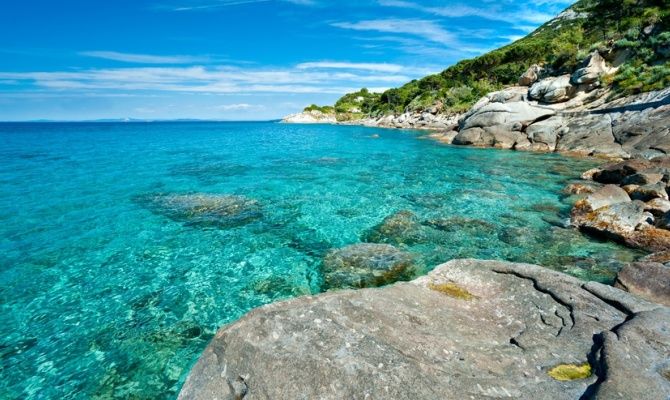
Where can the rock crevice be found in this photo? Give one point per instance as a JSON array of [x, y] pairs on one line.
[[414, 340]]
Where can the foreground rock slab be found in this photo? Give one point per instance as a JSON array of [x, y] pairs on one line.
[[469, 330]]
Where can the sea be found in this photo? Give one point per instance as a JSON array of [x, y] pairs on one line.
[[108, 289]]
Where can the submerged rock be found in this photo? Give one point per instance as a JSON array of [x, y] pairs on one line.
[[470, 329], [402, 227], [221, 211], [454, 224], [366, 265]]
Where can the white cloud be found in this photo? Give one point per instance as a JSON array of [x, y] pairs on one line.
[[426, 29], [143, 58], [217, 80], [377, 67], [494, 13], [238, 107], [227, 3]]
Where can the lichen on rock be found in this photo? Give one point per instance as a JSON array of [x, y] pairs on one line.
[[570, 372]]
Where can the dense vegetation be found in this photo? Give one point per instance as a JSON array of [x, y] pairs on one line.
[[637, 30], [322, 109]]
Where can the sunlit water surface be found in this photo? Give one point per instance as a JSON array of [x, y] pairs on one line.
[[103, 297]]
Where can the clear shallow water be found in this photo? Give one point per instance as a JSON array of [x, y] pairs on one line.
[[100, 297]]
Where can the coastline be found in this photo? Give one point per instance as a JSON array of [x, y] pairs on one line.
[[625, 201]]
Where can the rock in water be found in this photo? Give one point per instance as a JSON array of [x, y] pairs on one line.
[[366, 265], [221, 211], [402, 227], [469, 330]]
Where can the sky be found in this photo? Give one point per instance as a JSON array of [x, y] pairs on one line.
[[234, 59]]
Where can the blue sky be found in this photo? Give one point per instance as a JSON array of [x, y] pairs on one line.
[[234, 59]]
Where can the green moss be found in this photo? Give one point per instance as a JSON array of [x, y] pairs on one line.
[[451, 289], [570, 372]]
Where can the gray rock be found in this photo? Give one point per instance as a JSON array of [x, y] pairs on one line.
[[508, 95], [470, 329], [643, 178], [662, 257], [658, 207], [544, 134], [366, 265], [474, 137], [507, 114], [553, 90], [640, 128], [649, 280], [594, 67], [649, 192], [582, 187], [617, 172], [606, 196], [532, 74], [590, 135], [617, 221], [636, 358]]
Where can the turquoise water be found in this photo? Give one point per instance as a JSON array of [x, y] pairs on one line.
[[103, 295]]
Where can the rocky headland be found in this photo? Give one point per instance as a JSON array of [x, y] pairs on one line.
[[469, 330], [570, 113], [310, 117]]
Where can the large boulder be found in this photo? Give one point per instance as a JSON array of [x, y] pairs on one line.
[[204, 209], [532, 74], [553, 90], [592, 69], [605, 196], [617, 172], [474, 137], [506, 114], [366, 265], [617, 220], [649, 192], [590, 134], [649, 280], [544, 134], [642, 123], [470, 329]]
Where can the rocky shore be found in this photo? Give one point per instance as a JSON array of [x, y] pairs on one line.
[[484, 329], [469, 330], [569, 113]]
